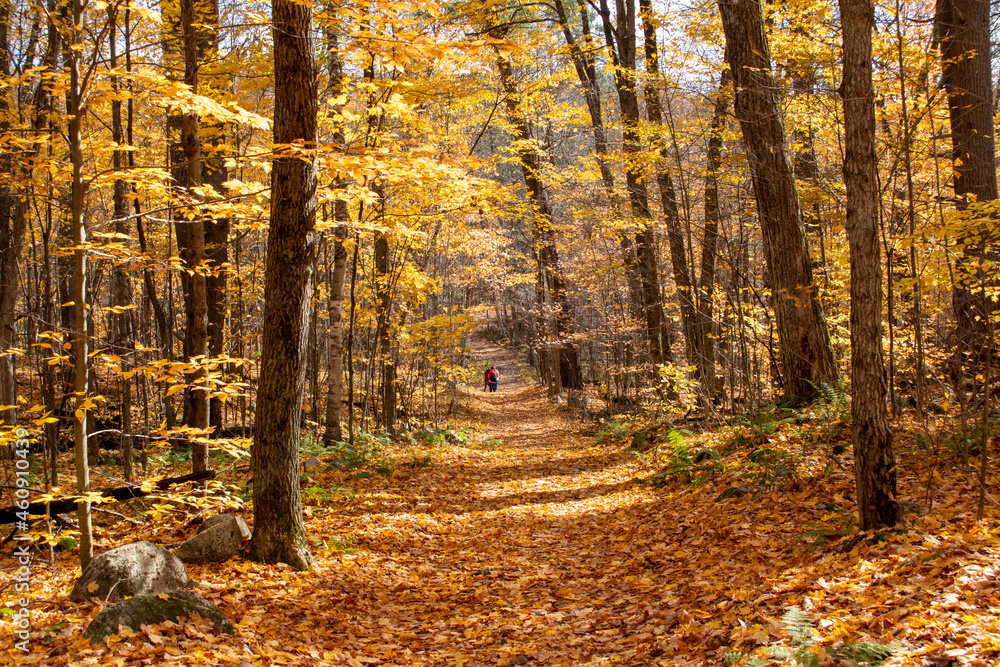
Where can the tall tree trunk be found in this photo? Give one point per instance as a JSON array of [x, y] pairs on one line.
[[191, 146], [964, 28], [713, 215], [335, 278], [214, 143], [806, 354], [584, 61], [13, 223], [335, 338], [122, 322], [875, 463], [190, 36], [279, 533], [78, 289], [542, 230], [621, 41], [383, 336], [671, 212]]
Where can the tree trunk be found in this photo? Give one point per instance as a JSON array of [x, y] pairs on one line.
[[78, 289], [190, 171], [713, 215], [13, 223], [122, 323], [671, 213], [806, 354], [335, 279], [279, 533], [875, 463], [383, 341], [190, 34], [542, 230], [621, 41], [335, 338], [586, 70], [964, 27]]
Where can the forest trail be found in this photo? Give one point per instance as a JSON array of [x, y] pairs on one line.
[[532, 544], [501, 554]]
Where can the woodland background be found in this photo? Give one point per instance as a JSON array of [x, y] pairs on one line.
[[588, 181]]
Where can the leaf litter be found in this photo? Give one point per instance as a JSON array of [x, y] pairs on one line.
[[553, 548]]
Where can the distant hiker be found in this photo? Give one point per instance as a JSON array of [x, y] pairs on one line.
[[491, 378]]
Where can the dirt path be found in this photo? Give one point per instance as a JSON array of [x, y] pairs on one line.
[[490, 556]]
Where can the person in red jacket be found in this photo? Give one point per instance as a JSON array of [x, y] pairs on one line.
[[491, 378]]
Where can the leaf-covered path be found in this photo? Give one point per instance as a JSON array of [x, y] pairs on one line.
[[529, 543], [497, 554]]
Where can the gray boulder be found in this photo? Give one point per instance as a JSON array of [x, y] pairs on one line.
[[153, 609], [130, 570], [218, 539], [311, 462]]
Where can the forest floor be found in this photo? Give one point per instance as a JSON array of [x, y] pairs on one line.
[[534, 538]]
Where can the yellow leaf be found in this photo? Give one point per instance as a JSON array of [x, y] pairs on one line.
[[92, 586]]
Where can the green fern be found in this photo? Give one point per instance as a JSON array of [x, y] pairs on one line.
[[741, 659], [798, 626], [866, 653], [805, 647]]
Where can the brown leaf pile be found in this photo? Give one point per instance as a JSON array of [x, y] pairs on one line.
[[550, 549]]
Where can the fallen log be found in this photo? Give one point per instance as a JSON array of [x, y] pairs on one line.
[[68, 505]]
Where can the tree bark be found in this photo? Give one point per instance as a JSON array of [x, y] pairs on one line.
[[190, 177], [621, 40], [713, 216], [668, 197], [191, 34], [875, 463], [122, 323], [279, 534], [335, 338], [806, 354], [964, 27], [13, 223], [336, 277], [78, 289], [586, 70], [542, 230]]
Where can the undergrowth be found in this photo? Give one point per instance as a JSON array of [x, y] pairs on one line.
[[805, 649]]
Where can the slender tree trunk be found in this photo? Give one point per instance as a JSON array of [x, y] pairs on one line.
[[806, 354], [335, 278], [13, 223], [279, 533], [78, 289], [621, 41], [383, 342], [584, 62], [875, 463], [671, 212], [123, 323], [713, 216], [542, 230], [335, 338], [186, 37]]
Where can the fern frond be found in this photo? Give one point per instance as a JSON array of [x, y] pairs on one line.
[[799, 626], [741, 659], [867, 653]]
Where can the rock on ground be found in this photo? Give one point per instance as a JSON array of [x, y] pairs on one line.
[[152, 609], [218, 539], [130, 570]]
